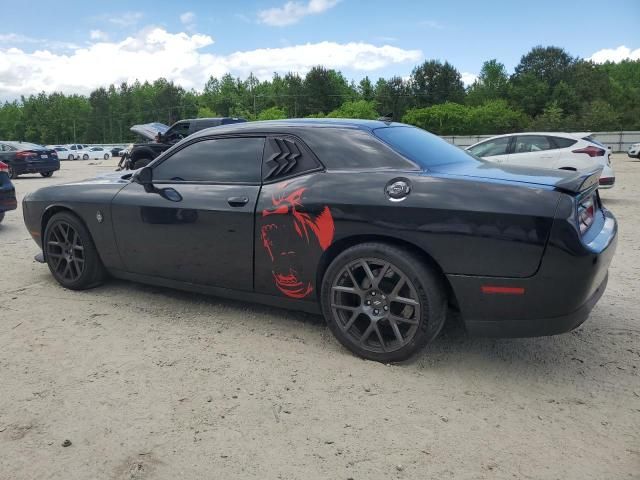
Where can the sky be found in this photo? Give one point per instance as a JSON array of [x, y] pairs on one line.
[[77, 46]]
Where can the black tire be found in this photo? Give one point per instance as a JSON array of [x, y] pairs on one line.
[[64, 231], [46, 174], [70, 157], [1, 216], [140, 162], [408, 327], [106, 156], [85, 157], [12, 173]]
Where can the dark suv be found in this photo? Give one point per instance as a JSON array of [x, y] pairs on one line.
[[163, 137]]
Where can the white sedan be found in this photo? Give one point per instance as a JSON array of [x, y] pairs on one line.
[[556, 150], [634, 151], [64, 153], [94, 152]]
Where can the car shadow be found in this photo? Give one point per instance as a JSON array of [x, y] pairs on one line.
[[453, 352]]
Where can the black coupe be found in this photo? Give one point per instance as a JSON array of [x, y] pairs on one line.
[[380, 226]]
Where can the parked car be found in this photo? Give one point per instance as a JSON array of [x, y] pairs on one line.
[[380, 226], [142, 154], [7, 191], [634, 151], [94, 152], [24, 157], [556, 150], [115, 151], [63, 152]]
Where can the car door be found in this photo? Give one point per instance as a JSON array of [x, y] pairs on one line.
[[202, 232], [533, 151], [494, 149]]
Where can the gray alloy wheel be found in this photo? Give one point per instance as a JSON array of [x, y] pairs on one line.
[[70, 253], [106, 156], [382, 302], [70, 157], [85, 157]]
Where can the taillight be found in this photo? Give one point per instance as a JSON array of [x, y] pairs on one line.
[[24, 155], [4, 167], [54, 153], [591, 151], [586, 213]]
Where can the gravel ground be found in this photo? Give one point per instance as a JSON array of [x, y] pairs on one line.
[[151, 383]]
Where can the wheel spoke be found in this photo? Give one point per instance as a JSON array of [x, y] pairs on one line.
[[380, 339], [396, 318], [367, 333], [353, 279], [368, 272], [408, 301], [398, 286], [381, 275], [340, 288], [396, 330], [351, 320]]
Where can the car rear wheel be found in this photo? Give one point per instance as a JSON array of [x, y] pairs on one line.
[[46, 174], [85, 157], [12, 173], [383, 303], [106, 156], [70, 157], [71, 254]]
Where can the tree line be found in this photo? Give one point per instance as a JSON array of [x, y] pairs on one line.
[[548, 90]]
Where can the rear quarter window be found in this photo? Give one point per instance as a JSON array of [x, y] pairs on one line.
[[561, 142], [421, 147]]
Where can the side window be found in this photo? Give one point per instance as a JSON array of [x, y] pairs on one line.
[[490, 148], [561, 142], [532, 143], [177, 132], [234, 160]]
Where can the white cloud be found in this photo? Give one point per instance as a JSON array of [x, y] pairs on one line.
[[156, 53], [431, 24], [615, 54], [98, 35], [188, 19], [292, 12], [126, 19], [468, 78]]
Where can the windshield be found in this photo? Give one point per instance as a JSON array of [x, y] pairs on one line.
[[422, 147]]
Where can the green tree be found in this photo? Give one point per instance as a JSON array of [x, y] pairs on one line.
[[492, 83], [358, 109], [273, 113], [434, 82]]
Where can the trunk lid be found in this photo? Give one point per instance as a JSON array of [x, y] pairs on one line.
[[563, 180]]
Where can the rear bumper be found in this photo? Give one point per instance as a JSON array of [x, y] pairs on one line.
[[539, 327], [8, 200], [35, 167], [571, 279]]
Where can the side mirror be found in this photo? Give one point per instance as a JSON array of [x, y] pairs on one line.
[[145, 178]]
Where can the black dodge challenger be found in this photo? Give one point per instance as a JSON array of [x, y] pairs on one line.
[[380, 226]]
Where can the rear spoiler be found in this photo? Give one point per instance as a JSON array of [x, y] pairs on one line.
[[580, 181]]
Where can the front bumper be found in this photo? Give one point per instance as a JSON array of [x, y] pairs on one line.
[[558, 298], [633, 153], [35, 167]]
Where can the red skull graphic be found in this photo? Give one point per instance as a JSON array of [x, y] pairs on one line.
[[291, 236]]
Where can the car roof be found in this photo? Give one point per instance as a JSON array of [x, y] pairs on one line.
[[296, 123]]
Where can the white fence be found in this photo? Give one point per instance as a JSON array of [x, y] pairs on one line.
[[618, 141]]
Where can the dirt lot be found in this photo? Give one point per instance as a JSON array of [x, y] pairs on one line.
[[152, 383]]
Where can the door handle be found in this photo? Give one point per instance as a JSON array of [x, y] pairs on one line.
[[238, 201]]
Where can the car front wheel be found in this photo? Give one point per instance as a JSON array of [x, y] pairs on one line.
[[46, 174], [382, 302], [70, 157], [85, 157], [71, 254], [106, 156], [12, 173]]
